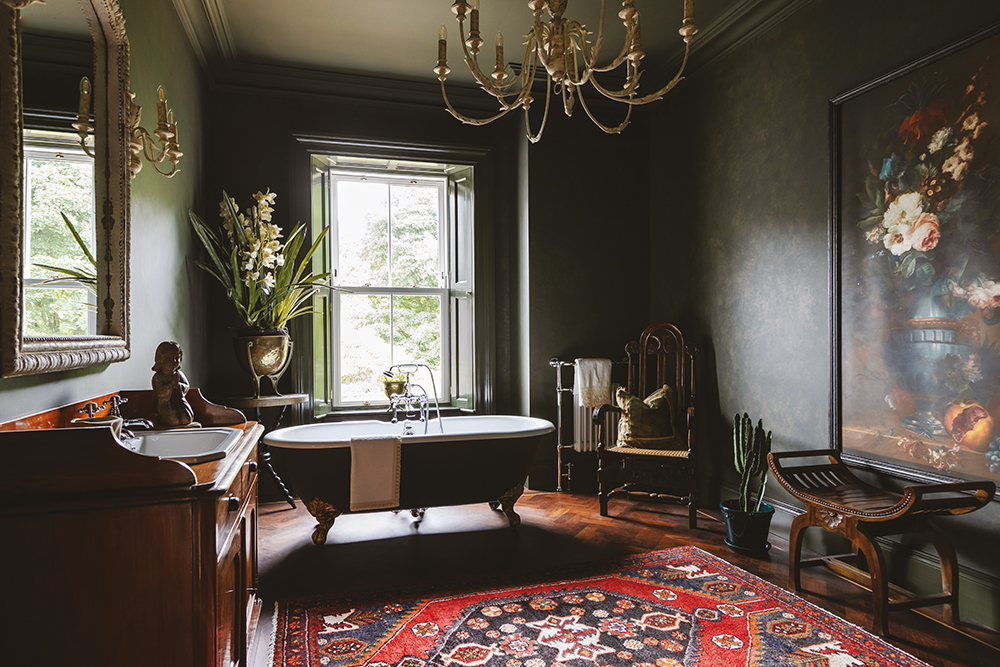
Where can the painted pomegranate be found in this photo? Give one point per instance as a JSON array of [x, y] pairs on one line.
[[970, 425]]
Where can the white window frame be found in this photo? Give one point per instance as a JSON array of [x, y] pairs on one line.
[[442, 291]]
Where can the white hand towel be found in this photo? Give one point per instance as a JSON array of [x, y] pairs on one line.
[[375, 472], [592, 382]]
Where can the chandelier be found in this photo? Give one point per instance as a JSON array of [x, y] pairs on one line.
[[560, 47]]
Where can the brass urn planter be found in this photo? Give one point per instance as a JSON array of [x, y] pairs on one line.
[[263, 355]]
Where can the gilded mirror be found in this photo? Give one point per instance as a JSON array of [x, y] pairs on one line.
[[24, 347]]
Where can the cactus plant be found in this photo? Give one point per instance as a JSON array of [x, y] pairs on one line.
[[750, 447]]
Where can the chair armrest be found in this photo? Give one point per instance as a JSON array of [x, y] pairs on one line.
[[600, 413], [957, 500]]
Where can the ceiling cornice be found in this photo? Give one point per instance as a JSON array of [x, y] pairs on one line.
[[742, 22], [208, 30]]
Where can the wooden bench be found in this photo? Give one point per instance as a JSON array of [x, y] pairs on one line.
[[841, 503]]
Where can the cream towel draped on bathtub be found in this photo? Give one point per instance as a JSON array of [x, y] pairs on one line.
[[375, 472]]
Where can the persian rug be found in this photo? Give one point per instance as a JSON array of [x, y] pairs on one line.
[[671, 608]]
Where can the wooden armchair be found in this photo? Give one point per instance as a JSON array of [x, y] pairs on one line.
[[654, 468]]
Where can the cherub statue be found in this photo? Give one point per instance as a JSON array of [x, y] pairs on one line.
[[169, 386]]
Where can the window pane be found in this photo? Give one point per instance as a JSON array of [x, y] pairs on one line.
[[415, 248], [364, 347], [57, 187], [57, 311], [363, 233], [417, 334]]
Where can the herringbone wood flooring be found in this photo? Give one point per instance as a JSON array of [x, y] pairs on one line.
[[392, 551]]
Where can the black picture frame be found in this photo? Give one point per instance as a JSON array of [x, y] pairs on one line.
[[908, 199]]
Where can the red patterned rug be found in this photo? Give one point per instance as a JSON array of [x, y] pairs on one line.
[[680, 606]]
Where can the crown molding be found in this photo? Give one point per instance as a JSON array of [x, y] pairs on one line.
[[740, 23], [207, 28]]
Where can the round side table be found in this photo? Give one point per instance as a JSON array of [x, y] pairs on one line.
[[257, 403]]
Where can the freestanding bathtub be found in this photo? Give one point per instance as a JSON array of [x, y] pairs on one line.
[[478, 458]]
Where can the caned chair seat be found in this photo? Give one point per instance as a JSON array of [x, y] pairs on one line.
[[637, 451]]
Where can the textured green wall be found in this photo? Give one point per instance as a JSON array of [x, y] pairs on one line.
[[745, 195], [251, 146], [587, 290], [164, 305]]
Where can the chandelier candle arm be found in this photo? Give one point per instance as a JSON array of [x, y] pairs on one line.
[[442, 69], [561, 46], [499, 72], [474, 41], [605, 128]]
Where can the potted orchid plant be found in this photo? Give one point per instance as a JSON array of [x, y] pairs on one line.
[[265, 279]]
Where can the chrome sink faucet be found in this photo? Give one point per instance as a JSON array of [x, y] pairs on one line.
[[414, 402]]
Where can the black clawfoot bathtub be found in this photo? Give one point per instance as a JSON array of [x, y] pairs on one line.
[[478, 458]]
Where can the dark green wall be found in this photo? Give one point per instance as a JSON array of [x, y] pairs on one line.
[[252, 146], [164, 305], [739, 226], [588, 264], [569, 224]]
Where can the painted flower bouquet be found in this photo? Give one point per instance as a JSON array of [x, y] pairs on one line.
[[930, 210], [266, 280], [927, 202]]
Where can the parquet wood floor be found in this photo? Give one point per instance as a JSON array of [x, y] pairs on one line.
[[391, 551]]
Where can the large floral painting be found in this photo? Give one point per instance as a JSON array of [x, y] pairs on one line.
[[917, 224]]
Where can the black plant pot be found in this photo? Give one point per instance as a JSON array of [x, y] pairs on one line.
[[746, 532]]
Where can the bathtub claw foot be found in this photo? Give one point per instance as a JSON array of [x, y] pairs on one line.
[[507, 501], [325, 514]]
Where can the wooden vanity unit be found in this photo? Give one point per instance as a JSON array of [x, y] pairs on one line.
[[110, 557]]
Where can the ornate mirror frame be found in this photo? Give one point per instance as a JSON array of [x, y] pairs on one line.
[[19, 354]]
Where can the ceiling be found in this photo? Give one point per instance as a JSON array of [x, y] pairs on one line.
[[387, 49], [358, 41]]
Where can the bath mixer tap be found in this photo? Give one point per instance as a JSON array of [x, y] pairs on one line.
[[414, 401]]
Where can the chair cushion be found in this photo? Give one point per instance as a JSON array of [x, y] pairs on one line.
[[648, 424]]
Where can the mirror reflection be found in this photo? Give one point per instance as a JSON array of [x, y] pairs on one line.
[[65, 219], [58, 271]]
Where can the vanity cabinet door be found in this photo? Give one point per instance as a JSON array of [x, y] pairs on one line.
[[251, 601], [229, 626]]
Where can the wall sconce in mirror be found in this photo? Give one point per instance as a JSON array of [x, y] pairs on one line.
[[156, 150], [82, 125]]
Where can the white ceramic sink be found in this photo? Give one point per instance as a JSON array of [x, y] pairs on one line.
[[195, 445]]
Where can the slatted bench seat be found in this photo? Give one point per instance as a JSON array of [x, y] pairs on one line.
[[841, 503]]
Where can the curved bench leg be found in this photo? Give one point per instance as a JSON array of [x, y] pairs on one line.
[[880, 585], [949, 570], [799, 525]]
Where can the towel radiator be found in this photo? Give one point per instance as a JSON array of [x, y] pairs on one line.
[[564, 471]]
